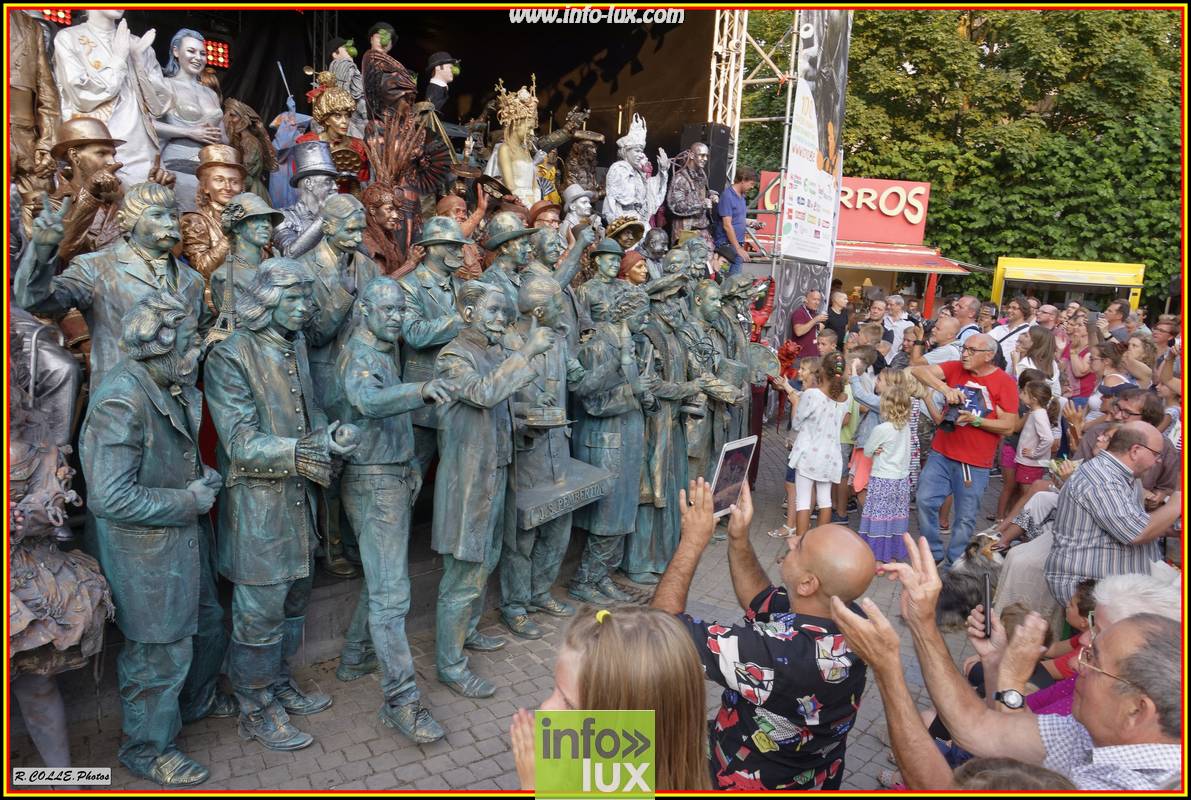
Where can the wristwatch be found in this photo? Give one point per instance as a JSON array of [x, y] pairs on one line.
[[1010, 698]]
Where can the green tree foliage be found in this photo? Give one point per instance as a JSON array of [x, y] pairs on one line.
[[1049, 134]]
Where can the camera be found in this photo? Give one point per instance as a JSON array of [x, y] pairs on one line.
[[950, 417]]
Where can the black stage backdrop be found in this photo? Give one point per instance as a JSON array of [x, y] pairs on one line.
[[663, 68]]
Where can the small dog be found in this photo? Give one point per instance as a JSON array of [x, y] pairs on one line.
[[963, 585]]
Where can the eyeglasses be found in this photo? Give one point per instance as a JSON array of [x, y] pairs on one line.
[[1085, 662], [977, 350], [1157, 453]]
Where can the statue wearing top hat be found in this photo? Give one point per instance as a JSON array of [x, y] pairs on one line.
[[220, 178], [314, 176]]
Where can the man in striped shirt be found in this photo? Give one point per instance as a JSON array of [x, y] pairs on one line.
[[1101, 526]]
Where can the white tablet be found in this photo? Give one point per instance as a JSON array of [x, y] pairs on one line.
[[731, 472]]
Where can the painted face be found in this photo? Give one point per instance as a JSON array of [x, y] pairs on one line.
[[582, 206], [698, 250], [711, 301], [222, 184], [157, 229], [319, 187], [547, 219], [608, 265], [256, 230], [348, 234], [550, 246], [191, 55], [626, 239], [565, 696], [88, 159], [450, 256], [336, 123], [520, 249], [638, 321], [384, 313], [386, 215], [491, 316], [638, 273], [295, 308], [701, 156]]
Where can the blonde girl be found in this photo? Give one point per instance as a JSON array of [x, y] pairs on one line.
[[886, 513]]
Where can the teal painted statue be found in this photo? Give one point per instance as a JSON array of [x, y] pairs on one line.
[[510, 240], [599, 293], [471, 490], [275, 448], [149, 495]]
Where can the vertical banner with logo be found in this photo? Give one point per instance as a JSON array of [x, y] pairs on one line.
[[814, 168], [584, 754]]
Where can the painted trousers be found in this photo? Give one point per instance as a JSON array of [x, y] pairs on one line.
[[530, 563]]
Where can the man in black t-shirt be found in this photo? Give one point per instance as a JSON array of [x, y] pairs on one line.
[[791, 685]]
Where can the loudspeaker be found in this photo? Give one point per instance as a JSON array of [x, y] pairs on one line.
[[718, 139]]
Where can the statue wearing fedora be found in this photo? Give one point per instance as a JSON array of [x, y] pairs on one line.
[[508, 238], [93, 186], [598, 294], [441, 68], [431, 319], [314, 176], [220, 178]]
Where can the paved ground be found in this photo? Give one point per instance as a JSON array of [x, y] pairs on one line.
[[354, 751]]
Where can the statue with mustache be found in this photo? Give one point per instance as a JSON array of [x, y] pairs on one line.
[[146, 484]]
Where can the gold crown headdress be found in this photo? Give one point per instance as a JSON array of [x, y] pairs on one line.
[[514, 106]]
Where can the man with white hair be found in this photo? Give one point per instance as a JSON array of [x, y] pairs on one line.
[[631, 187], [896, 320]]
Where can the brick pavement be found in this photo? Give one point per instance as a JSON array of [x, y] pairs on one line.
[[354, 751]]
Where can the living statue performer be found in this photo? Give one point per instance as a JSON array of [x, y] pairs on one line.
[[580, 167], [509, 240], [512, 160], [405, 170], [314, 175], [220, 178], [33, 111], [275, 447], [633, 268], [248, 222], [599, 293], [654, 247], [104, 71], [629, 188], [471, 490], [626, 231], [105, 285], [333, 109], [192, 120], [442, 68], [735, 323], [347, 77], [431, 320], [690, 200], [454, 206], [577, 211], [609, 433], [390, 90], [700, 252], [654, 538], [708, 350], [149, 494], [379, 485], [546, 260], [247, 133], [340, 271], [57, 601]]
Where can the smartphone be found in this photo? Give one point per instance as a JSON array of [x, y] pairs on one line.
[[987, 606], [1093, 317]]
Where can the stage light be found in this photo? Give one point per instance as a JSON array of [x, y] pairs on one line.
[[219, 54], [59, 16]]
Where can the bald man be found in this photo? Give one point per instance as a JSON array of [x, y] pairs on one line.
[[967, 309], [942, 346], [791, 685]]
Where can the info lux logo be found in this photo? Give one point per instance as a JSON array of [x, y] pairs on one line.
[[583, 754]]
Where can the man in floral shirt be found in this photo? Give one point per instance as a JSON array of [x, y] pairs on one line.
[[791, 685]]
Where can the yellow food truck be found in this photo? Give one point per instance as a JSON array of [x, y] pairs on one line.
[[1058, 281]]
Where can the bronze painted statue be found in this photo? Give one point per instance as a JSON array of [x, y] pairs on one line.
[[149, 494], [247, 133], [105, 285], [379, 485], [475, 444], [275, 448], [220, 178], [33, 110], [609, 433], [690, 200]]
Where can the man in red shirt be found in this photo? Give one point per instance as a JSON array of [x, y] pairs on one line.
[[961, 457], [805, 323]]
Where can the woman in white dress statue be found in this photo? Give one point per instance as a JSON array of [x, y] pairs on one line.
[[103, 71], [194, 118], [513, 159]]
